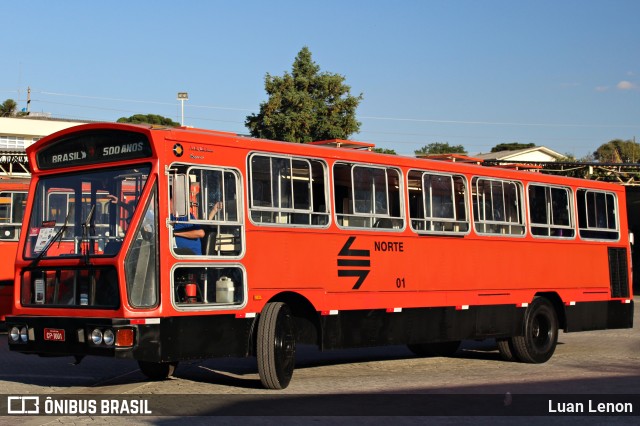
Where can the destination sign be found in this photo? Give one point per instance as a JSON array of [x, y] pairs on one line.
[[92, 147]]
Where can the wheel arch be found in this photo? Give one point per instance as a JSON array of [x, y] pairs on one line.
[[306, 319], [558, 307]]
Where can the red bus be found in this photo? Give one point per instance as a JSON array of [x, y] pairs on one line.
[[245, 247], [13, 199]]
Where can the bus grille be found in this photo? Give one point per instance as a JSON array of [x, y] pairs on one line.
[[618, 272]]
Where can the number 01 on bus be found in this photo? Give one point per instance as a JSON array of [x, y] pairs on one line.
[[162, 245]]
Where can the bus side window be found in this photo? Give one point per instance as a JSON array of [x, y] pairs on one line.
[[550, 211], [597, 215], [368, 196], [194, 287], [215, 208], [287, 191], [12, 206], [497, 206], [437, 203]]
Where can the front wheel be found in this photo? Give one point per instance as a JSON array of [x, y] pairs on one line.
[[157, 370], [539, 333], [276, 346]]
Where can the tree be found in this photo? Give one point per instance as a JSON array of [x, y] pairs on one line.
[[618, 151], [513, 146], [385, 151], [441, 148], [306, 105], [149, 119], [8, 108]]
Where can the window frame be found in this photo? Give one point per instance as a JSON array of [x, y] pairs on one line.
[[238, 185], [285, 216], [431, 220], [595, 233], [209, 305], [373, 218], [11, 229], [549, 226], [11, 141], [225, 228], [497, 226]]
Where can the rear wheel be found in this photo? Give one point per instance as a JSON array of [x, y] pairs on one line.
[[505, 347], [276, 346], [539, 333], [435, 349], [157, 370]]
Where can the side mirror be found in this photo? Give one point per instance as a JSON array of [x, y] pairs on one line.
[[181, 195]]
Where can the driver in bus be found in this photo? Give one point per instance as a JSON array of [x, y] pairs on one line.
[[216, 208], [187, 235]]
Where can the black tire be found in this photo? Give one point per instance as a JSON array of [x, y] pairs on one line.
[[505, 347], [445, 349], [157, 370], [539, 333], [276, 346]]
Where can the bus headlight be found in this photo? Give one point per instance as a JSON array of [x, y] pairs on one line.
[[19, 334], [96, 336], [14, 334], [108, 337]]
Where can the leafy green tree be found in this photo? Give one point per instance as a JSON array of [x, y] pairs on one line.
[[513, 146], [8, 108], [618, 151], [441, 148], [306, 105], [149, 119]]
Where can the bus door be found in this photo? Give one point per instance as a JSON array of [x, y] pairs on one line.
[[205, 219]]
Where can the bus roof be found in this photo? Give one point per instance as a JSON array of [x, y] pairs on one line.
[[329, 149]]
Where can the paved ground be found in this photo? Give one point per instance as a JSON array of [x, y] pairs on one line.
[[386, 381]]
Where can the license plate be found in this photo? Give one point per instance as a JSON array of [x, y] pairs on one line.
[[54, 334]]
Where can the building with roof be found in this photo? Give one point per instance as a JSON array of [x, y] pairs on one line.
[[533, 154], [17, 133]]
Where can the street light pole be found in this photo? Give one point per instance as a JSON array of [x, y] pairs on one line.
[[182, 96]]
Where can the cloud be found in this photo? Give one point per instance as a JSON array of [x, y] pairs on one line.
[[626, 85], [602, 88]]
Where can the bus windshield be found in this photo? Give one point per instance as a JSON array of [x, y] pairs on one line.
[[95, 226]]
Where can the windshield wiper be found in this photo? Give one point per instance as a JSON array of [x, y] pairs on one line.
[[52, 240], [85, 235]]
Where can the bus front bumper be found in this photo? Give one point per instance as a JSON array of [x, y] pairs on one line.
[[65, 336]]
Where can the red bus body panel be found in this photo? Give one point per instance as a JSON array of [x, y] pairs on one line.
[[392, 271]]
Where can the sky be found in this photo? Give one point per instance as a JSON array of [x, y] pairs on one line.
[[563, 74]]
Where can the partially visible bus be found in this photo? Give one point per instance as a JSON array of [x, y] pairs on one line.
[[303, 243], [13, 200]]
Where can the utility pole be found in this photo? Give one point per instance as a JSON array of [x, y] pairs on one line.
[[182, 96], [28, 99]]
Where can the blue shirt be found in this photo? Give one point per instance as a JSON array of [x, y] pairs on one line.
[[192, 244]]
